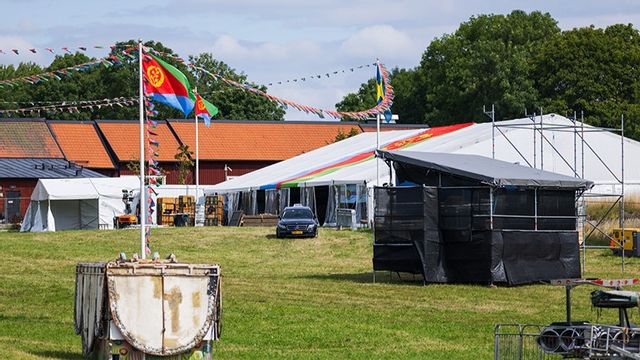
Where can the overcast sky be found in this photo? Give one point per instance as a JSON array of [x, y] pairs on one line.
[[277, 40]]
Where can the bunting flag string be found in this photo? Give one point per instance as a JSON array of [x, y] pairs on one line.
[[73, 107], [52, 50], [320, 76], [153, 168], [380, 108], [107, 61]]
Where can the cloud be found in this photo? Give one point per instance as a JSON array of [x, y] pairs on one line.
[[382, 41], [230, 49]]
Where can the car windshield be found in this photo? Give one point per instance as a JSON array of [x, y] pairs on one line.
[[297, 214]]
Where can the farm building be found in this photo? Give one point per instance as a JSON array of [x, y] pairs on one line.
[[28, 152], [245, 146]]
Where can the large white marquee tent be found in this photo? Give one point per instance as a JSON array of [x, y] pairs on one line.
[[602, 158]]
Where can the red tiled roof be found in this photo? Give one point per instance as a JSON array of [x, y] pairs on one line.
[[81, 144], [27, 139], [124, 139], [258, 140]]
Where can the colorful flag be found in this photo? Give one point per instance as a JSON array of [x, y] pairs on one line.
[[205, 109], [380, 94], [166, 84]]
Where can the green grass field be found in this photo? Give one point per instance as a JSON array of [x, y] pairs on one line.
[[303, 298]]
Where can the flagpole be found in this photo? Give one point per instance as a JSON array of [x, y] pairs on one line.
[[378, 137], [142, 201], [197, 164]]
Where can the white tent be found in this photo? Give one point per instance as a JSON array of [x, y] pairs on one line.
[[474, 139], [83, 203]]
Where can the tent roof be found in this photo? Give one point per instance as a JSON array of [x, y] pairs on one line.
[[87, 188], [489, 171], [474, 140]]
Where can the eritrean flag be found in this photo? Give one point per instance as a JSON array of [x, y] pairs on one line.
[[166, 84], [205, 110]]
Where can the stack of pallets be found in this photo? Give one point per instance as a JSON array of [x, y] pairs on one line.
[[166, 209], [214, 210]]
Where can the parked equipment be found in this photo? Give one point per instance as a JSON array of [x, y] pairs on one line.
[[576, 339], [629, 239], [127, 219], [153, 309]]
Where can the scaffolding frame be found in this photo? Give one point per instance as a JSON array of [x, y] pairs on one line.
[[578, 135]]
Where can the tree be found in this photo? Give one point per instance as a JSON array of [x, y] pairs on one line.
[[233, 103], [122, 81], [185, 163], [486, 61], [595, 71], [405, 103], [345, 135]]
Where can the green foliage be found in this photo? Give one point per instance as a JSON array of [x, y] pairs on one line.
[[519, 61], [233, 103], [284, 299], [345, 135], [122, 81], [185, 163], [595, 71], [405, 104]]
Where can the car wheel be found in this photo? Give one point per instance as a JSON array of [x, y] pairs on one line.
[[278, 235]]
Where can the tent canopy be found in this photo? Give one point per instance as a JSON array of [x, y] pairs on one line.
[[81, 203], [493, 172], [330, 164]]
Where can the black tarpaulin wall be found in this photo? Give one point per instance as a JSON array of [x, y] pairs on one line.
[[419, 231]]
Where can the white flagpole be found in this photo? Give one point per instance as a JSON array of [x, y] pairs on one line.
[[143, 198], [197, 164], [377, 136]]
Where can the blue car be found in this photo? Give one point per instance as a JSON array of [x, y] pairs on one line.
[[297, 221]]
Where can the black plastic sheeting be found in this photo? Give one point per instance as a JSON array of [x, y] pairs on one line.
[[418, 232]]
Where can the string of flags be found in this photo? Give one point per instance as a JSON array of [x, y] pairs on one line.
[[52, 50], [72, 107], [383, 105], [153, 168], [107, 61], [320, 76]]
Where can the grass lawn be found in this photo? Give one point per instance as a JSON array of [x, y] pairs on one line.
[[303, 298]]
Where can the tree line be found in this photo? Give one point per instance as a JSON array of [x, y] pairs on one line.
[[122, 81], [518, 61]]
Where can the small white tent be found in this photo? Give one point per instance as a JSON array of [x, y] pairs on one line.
[[84, 203]]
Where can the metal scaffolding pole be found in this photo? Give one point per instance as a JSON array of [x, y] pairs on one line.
[[622, 185]]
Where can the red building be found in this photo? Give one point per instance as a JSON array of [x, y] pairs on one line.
[[123, 140], [28, 152], [245, 146], [81, 143]]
